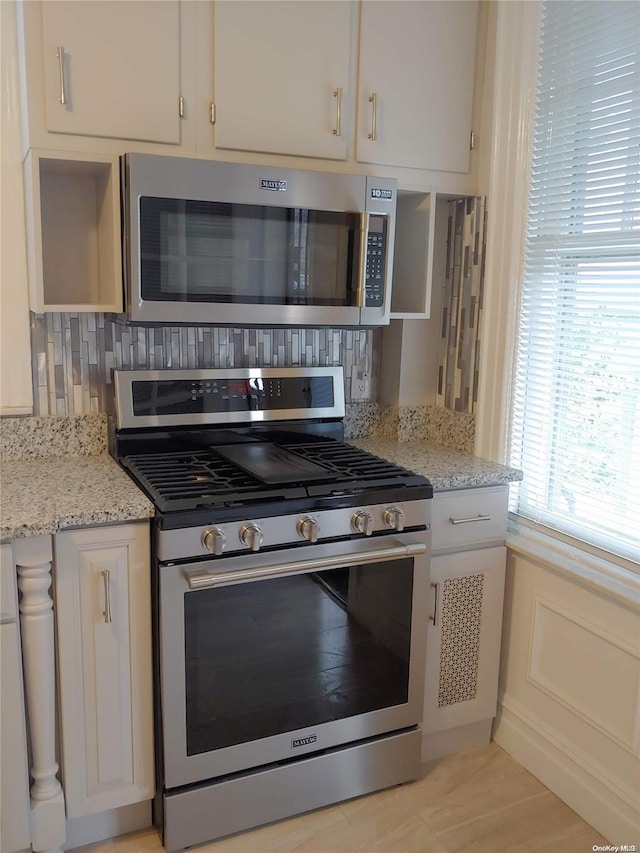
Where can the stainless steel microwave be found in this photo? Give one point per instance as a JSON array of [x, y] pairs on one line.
[[235, 244]]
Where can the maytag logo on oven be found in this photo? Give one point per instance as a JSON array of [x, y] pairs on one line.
[[279, 186], [304, 741]]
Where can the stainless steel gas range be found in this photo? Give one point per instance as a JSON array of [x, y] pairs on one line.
[[290, 582]]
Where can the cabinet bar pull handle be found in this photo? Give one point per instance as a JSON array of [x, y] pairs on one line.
[[212, 113], [436, 596], [60, 55], [373, 100], [337, 131], [468, 520], [106, 577], [181, 107]]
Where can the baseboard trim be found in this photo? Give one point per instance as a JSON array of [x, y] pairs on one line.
[[109, 824], [569, 779]]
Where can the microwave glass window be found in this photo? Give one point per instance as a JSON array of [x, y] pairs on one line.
[[196, 251]]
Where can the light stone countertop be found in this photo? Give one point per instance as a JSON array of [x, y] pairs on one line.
[[443, 467], [42, 496]]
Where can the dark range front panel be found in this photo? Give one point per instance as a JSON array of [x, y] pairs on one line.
[[284, 654]]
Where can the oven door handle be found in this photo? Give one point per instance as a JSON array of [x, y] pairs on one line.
[[203, 579]]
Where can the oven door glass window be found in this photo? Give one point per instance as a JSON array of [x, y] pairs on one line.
[[198, 251], [278, 655]]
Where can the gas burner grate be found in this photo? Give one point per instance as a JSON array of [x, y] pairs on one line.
[[189, 480]]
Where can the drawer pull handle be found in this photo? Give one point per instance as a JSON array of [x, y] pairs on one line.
[[469, 520], [436, 596]]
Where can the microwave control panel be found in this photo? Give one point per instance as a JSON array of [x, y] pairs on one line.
[[376, 261]]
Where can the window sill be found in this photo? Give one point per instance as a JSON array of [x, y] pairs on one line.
[[617, 580]]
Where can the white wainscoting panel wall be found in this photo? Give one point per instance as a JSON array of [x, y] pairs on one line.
[[569, 707]]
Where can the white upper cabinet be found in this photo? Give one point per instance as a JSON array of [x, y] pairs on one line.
[[415, 83], [98, 72], [282, 77], [112, 69]]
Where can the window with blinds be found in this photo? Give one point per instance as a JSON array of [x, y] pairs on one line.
[[576, 404]]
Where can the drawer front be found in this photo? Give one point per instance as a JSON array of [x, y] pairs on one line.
[[468, 518]]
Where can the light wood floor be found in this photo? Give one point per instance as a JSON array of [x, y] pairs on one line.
[[479, 801]]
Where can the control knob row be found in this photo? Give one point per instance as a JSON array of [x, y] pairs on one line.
[[251, 535]]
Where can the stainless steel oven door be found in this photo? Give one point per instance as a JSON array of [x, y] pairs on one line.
[[270, 656]]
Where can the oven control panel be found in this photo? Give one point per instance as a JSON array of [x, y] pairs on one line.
[[223, 539]]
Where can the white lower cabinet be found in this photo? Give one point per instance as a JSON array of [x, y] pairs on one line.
[[14, 781], [465, 621], [103, 604], [463, 648]]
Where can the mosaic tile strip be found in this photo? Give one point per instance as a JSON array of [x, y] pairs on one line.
[[462, 309], [460, 643], [74, 354]]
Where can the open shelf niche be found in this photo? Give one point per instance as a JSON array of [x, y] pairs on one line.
[[73, 232]]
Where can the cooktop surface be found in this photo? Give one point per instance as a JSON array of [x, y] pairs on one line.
[[258, 472]]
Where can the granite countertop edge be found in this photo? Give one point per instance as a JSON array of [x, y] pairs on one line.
[[48, 495]]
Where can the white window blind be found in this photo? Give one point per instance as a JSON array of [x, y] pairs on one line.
[[576, 405]]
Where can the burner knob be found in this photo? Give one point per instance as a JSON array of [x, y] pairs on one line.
[[251, 536], [214, 540], [363, 522], [393, 517], [309, 529]]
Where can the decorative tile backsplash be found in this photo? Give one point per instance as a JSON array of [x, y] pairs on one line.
[[462, 308], [73, 354]]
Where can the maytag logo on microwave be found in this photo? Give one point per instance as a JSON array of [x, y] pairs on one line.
[[273, 185], [386, 195]]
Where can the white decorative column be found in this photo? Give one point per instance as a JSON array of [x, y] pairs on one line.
[[33, 558]]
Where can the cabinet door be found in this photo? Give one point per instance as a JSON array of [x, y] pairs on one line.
[[418, 60], [463, 640], [113, 69], [104, 648], [282, 76]]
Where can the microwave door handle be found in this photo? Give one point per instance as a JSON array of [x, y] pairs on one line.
[[362, 263], [202, 579]]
